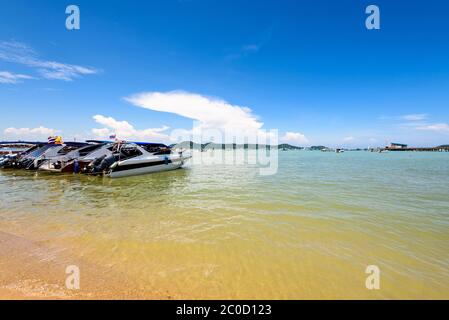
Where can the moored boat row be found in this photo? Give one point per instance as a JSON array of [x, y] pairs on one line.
[[113, 159]]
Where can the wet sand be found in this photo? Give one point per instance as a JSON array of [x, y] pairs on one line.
[[30, 270]]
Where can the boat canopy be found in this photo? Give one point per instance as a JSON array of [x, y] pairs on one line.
[[21, 142], [76, 144], [99, 141], [147, 144]]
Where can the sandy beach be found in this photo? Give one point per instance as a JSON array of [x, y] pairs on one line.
[[31, 270]]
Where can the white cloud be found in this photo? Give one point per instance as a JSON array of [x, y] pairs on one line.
[[102, 133], [30, 133], [413, 124], [210, 113], [124, 130], [244, 51], [251, 47], [12, 78], [16, 52], [415, 117], [418, 122], [348, 139], [438, 127], [295, 137]]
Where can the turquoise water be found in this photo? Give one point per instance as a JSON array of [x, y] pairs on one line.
[[225, 231]]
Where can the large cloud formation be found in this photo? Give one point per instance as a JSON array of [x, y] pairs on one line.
[[208, 113]]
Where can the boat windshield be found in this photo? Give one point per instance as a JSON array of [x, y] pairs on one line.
[[86, 150], [33, 148], [157, 149], [67, 149], [128, 151], [40, 151]]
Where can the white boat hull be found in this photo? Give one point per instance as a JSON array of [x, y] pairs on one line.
[[173, 165]]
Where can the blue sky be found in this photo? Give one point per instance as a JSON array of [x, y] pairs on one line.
[[307, 68]]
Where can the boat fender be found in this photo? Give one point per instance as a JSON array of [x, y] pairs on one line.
[[166, 160]]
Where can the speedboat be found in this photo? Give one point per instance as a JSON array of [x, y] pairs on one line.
[[8, 160], [73, 161], [12, 160], [33, 160], [130, 159], [9, 148], [11, 152]]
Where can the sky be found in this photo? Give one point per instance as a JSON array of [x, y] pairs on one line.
[[153, 70]]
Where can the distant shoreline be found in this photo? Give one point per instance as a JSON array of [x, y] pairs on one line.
[[6, 146]]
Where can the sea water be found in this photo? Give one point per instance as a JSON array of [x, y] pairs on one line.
[[225, 231]]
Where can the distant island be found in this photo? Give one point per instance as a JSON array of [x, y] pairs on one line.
[[286, 147], [231, 146]]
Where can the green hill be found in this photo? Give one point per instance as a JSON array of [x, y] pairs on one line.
[[230, 146]]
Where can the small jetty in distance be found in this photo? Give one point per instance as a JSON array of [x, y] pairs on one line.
[[404, 147]]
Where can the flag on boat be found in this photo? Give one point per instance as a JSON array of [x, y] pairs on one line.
[[55, 140], [113, 136]]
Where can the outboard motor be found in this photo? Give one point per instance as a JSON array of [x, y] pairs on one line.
[[92, 168], [105, 163], [7, 161], [57, 165], [25, 163]]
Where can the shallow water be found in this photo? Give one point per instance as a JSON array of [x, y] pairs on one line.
[[224, 231]]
